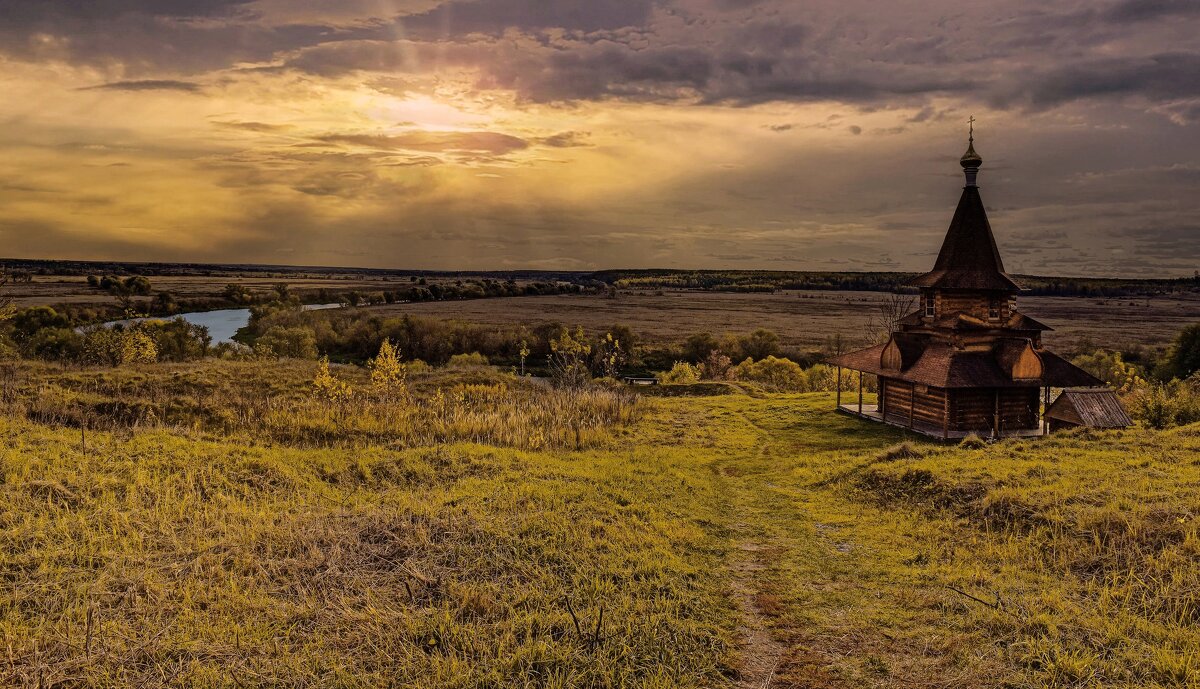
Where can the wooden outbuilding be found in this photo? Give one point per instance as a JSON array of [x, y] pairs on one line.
[[967, 361], [1088, 407]]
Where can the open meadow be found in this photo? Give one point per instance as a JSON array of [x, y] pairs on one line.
[[215, 524]]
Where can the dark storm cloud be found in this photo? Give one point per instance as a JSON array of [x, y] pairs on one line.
[[38, 12], [740, 52], [461, 17], [1142, 10], [1163, 76]]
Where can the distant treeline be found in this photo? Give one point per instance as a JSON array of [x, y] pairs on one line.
[[712, 280], [766, 281]]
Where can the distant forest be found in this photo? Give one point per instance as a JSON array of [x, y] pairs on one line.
[[711, 280], [769, 281]]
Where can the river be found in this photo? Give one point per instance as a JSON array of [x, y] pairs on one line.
[[223, 324]]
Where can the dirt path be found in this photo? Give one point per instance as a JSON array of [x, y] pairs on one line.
[[761, 652]]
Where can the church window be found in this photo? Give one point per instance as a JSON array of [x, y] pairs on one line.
[[994, 309]]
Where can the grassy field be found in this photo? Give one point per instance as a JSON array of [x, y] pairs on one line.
[[730, 540], [805, 319]]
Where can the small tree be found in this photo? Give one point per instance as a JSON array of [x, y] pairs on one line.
[[610, 356], [7, 310], [884, 321], [388, 374], [524, 353], [327, 387], [716, 366], [137, 347], [1111, 368], [569, 355], [760, 344], [1185, 353]]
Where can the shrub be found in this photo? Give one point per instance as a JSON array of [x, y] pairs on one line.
[[467, 360], [177, 340], [1161, 405], [697, 347], [682, 373], [972, 442], [759, 344], [774, 373], [824, 378], [716, 366], [1111, 368], [388, 375], [328, 388], [569, 354], [610, 356], [1185, 352], [294, 343], [60, 344], [118, 346]]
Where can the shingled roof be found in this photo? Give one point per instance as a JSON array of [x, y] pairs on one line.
[[940, 365], [1094, 408], [969, 258]]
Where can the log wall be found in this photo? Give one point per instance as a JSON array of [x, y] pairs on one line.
[[974, 410], [928, 406]]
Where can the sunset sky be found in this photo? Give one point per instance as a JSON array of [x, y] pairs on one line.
[[583, 134]]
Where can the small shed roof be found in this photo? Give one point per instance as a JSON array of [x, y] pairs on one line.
[[1091, 407]]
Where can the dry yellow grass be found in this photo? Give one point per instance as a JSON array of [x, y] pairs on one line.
[[710, 529]]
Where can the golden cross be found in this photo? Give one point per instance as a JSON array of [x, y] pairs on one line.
[[972, 122]]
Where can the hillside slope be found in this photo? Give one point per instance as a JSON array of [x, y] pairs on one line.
[[720, 541]]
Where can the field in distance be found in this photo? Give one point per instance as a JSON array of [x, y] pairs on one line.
[[805, 319]]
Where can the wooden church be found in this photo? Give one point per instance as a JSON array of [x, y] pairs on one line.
[[966, 361]]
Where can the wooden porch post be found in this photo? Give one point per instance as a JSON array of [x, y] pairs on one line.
[[860, 393], [882, 396], [946, 413], [839, 387], [996, 416], [1045, 422]]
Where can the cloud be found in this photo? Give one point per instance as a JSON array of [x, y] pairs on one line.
[[147, 85], [1163, 76], [493, 143], [565, 140], [1144, 10], [495, 17], [259, 127], [32, 12]]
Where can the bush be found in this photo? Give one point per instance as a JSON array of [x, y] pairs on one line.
[[177, 340], [58, 344], [1111, 368], [467, 360], [682, 373], [1161, 405], [417, 366], [1185, 353], [824, 378], [293, 343], [716, 366], [759, 344], [773, 373]]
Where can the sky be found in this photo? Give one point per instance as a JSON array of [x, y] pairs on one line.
[[593, 134]]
